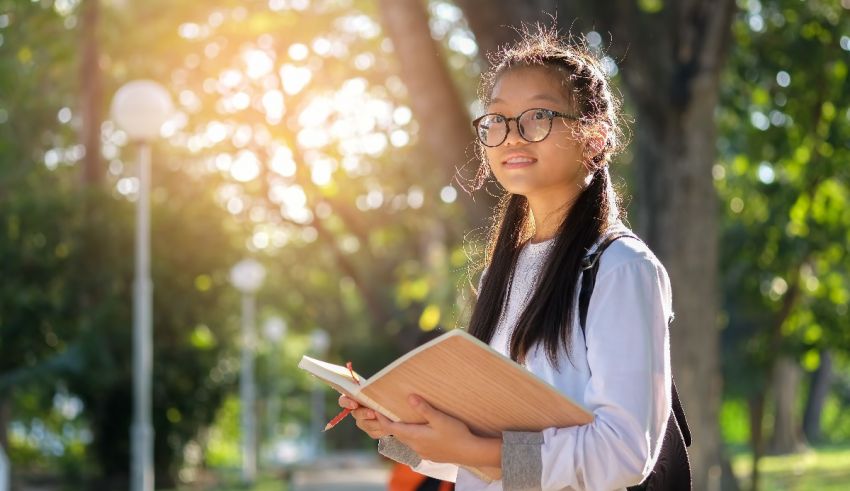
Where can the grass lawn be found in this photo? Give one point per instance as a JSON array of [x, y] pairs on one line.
[[823, 468]]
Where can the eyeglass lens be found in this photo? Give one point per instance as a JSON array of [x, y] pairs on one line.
[[533, 125]]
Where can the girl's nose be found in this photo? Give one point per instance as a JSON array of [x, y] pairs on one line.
[[513, 134]]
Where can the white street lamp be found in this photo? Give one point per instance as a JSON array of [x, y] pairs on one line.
[[140, 108], [275, 330], [4, 471], [320, 341], [247, 276]]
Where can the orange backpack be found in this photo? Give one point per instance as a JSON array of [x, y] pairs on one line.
[[403, 478]]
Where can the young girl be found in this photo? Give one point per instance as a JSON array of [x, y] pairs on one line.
[[550, 131]]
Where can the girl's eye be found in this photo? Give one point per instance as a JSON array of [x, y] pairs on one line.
[[539, 114]]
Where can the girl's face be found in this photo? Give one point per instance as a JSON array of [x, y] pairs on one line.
[[551, 169]]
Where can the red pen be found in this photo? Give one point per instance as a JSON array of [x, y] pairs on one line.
[[339, 417]]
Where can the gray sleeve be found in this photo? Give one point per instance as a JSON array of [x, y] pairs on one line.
[[389, 446], [522, 460]]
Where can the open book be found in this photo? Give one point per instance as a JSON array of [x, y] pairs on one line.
[[462, 376]]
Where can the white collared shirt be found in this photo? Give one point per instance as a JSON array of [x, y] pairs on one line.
[[621, 373]]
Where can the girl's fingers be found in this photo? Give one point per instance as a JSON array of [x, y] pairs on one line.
[[367, 425], [363, 413], [358, 411], [371, 427], [347, 402]]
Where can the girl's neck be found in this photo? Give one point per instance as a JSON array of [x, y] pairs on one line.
[[550, 206], [547, 219], [548, 214]]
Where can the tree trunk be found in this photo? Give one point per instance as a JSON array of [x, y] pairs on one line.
[[676, 206], [774, 344], [91, 93], [756, 404], [728, 481], [495, 27], [443, 118], [444, 125], [818, 390], [672, 76], [5, 418], [786, 437]]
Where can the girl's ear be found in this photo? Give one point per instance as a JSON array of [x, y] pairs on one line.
[[595, 143]]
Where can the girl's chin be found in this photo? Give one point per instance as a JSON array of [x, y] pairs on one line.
[[541, 193], [530, 185], [523, 188]]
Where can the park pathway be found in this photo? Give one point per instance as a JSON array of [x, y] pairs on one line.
[[343, 472]]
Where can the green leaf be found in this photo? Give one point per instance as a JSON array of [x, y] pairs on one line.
[[202, 338], [430, 318], [651, 6], [811, 360]]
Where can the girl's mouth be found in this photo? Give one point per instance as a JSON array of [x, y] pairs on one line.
[[518, 161]]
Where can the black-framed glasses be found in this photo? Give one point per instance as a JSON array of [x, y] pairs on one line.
[[533, 124]]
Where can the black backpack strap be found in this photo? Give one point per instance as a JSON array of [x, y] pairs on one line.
[[590, 266], [672, 470], [680, 415]]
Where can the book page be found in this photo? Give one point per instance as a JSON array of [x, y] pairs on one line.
[[337, 369]]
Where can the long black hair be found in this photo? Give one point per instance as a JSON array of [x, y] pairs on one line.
[[551, 308]]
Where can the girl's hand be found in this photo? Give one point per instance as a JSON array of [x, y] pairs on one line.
[[442, 438], [365, 417]]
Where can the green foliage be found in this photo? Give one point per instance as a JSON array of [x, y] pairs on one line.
[[824, 468], [341, 219], [836, 423], [38, 241], [37, 53], [223, 440], [70, 281], [784, 123], [734, 421]]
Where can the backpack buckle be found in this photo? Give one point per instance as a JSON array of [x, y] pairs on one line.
[[589, 261]]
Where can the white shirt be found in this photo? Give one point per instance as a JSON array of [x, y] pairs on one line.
[[622, 376]]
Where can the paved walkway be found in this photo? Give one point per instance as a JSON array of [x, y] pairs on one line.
[[343, 472]]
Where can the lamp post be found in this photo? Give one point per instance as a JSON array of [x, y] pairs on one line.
[[247, 276], [320, 342], [4, 471], [140, 108], [275, 331]]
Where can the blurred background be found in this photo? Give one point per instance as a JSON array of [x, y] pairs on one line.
[[307, 169]]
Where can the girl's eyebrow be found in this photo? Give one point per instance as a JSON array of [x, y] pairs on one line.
[[542, 97]]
